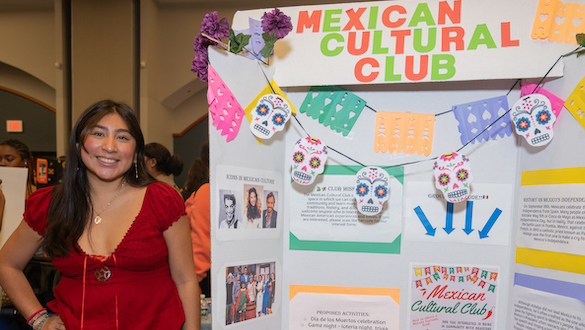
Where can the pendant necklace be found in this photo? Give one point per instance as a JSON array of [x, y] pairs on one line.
[[97, 218]]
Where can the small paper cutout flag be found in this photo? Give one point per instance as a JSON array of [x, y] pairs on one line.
[[256, 42], [556, 102], [576, 102], [407, 132], [225, 111], [558, 21], [333, 106], [474, 117]]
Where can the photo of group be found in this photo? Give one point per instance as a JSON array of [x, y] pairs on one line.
[[250, 291], [256, 209]]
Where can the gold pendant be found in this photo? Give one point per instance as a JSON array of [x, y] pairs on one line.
[[97, 220]]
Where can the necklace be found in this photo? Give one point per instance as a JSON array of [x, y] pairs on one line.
[[97, 218]]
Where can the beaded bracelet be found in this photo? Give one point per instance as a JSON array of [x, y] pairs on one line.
[[37, 319], [39, 324]]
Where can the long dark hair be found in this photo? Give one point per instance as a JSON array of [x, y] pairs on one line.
[[27, 160], [70, 208], [165, 163], [253, 211], [198, 175]]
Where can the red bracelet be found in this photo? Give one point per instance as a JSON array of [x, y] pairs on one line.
[[35, 314]]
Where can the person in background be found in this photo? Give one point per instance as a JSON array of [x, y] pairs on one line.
[[14, 153], [198, 173], [229, 299], [161, 165], [197, 206], [119, 239]]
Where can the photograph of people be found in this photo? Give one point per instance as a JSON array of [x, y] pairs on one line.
[[269, 215], [119, 238], [249, 291], [228, 211], [253, 196]]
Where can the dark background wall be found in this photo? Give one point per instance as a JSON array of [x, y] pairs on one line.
[[38, 123], [187, 147]]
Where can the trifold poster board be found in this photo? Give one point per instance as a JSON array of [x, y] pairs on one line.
[[13, 187], [421, 262]]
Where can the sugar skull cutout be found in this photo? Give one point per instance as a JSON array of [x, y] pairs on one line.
[[453, 177], [269, 116], [533, 119], [372, 190], [308, 160]]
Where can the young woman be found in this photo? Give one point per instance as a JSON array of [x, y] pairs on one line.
[[161, 165], [120, 239], [253, 212]]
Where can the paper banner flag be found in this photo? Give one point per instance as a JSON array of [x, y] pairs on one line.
[[267, 90], [224, 109], [558, 21], [474, 117], [576, 102], [256, 42], [556, 102], [407, 132], [333, 106]]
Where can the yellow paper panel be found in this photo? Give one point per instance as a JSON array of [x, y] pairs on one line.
[[554, 176], [576, 102], [551, 260], [394, 293]]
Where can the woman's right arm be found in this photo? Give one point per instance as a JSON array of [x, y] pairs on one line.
[[16, 253]]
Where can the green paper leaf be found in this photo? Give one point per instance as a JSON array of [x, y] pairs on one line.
[[238, 42], [581, 39], [269, 41]]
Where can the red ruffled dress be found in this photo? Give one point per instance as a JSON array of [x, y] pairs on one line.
[[132, 288]]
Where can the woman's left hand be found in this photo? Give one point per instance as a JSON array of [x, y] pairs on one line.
[[53, 323]]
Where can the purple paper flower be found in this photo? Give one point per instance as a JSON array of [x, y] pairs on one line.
[[201, 43], [213, 27], [277, 22], [199, 66]]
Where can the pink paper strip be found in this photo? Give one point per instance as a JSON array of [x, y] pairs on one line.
[[556, 102], [224, 109]]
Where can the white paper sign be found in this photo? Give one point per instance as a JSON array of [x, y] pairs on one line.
[[410, 41], [14, 189]]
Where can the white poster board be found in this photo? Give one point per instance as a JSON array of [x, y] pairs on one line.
[[14, 189]]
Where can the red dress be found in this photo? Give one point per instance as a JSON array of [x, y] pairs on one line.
[[140, 293]]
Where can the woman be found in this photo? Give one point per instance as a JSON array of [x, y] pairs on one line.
[[253, 210], [14, 153], [251, 307], [259, 295], [161, 165], [266, 296], [119, 239]]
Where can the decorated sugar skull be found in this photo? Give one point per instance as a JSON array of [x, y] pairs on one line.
[[372, 190], [453, 177], [269, 116], [533, 119], [308, 160]]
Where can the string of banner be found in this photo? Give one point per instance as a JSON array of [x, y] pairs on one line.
[[372, 183]]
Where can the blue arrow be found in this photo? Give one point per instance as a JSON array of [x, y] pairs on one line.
[[449, 219], [468, 217], [490, 223], [425, 222]]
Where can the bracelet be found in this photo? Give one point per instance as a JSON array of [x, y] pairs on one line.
[[37, 319], [35, 315], [39, 324]]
